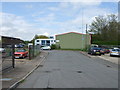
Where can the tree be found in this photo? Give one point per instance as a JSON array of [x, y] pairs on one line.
[[26, 42], [105, 28], [42, 37], [98, 25], [38, 37]]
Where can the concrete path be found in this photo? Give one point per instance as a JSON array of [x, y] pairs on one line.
[[70, 69], [22, 68]]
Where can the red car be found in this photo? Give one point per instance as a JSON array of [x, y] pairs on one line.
[[21, 53]]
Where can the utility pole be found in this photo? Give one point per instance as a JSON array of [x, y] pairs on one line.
[[86, 28], [82, 20], [86, 37], [82, 30]]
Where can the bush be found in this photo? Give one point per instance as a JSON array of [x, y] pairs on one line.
[[53, 46]]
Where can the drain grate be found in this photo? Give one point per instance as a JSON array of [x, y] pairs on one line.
[[79, 71], [108, 66], [47, 71]]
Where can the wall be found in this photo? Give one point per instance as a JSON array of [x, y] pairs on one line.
[[73, 41]]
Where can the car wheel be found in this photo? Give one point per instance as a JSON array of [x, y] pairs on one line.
[[110, 55], [99, 54], [23, 57]]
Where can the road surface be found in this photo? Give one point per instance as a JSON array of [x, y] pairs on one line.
[[70, 69]]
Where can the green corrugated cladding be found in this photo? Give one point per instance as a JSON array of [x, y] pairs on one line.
[[73, 41]]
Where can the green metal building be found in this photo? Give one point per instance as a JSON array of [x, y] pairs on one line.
[[73, 40]]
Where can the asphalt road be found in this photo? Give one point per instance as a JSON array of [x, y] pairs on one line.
[[70, 69]]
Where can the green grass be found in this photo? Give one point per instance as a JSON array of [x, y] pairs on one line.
[[22, 81]]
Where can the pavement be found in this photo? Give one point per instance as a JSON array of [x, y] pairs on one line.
[[104, 57], [23, 67], [71, 69]]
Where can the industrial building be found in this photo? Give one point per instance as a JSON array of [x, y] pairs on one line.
[[73, 40]]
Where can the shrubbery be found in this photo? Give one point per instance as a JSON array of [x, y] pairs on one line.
[[53, 46], [106, 42]]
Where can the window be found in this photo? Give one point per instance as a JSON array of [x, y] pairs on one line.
[[37, 40], [48, 42], [42, 42], [51, 37], [51, 40]]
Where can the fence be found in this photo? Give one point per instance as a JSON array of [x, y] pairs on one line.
[[7, 57], [33, 51]]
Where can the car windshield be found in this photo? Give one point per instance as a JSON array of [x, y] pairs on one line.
[[96, 48], [20, 50], [116, 50]]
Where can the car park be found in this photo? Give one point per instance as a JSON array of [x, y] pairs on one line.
[[46, 48], [21, 53], [94, 51], [115, 52]]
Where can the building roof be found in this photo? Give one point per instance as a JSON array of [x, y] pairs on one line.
[[10, 40], [44, 39], [70, 32]]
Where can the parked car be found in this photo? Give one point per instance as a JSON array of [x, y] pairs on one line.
[[2, 49], [115, 52], [107, 50], [46, 48], [94, 51], [19, 46], [102, 51], [22, 53], [3, 52]]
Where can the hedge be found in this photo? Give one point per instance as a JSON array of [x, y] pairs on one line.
[[106, 42]]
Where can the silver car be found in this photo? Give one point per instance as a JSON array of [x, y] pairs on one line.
[[46, 48], [115, 52]]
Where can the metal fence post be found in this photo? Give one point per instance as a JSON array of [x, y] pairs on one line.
[[33, 51], [13, 56], [30, 52]]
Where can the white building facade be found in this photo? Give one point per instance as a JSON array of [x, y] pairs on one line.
[[45, 42]]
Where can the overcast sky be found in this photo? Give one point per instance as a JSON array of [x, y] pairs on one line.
[[25, 19]]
